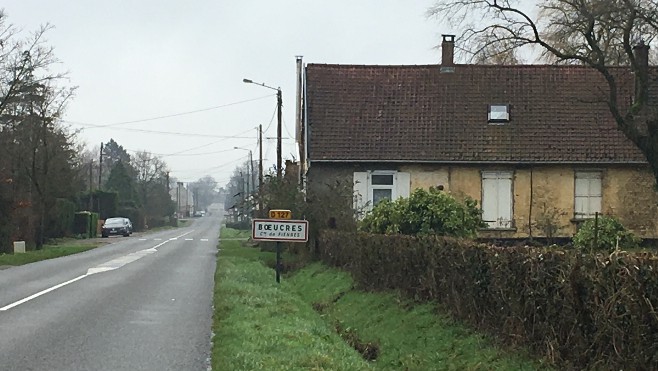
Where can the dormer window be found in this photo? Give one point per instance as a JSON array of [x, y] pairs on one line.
[[498, 113]]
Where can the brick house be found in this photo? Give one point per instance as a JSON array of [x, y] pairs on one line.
[[526, 141]]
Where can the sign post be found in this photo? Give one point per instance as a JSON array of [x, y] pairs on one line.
[[279, 228]]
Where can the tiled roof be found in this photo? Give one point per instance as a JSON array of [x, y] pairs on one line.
[[418, 114]]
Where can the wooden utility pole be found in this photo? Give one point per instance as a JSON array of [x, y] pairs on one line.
[[279, 106], [100, 169], [260, 170], [91, 167]]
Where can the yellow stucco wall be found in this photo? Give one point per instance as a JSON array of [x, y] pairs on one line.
[[630, 195], [546, 193]]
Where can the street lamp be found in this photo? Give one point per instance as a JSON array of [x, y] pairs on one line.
[[279, 105]]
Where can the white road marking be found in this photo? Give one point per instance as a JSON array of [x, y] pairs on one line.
[[189, 239], [173, 239], [7, 307], [142, 239], [204, 239], [105, 267], [157, 239]]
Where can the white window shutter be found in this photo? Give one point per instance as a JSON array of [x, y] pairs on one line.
[[360, 190], [497, 198], [489, 200], [582, 187], [505, 201], [402, 185]]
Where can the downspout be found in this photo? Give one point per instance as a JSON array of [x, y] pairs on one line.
[[530, 209], [298, 120], [305, 131]]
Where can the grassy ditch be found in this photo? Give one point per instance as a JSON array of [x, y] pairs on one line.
[[404, 335], [316, 320], [260, 325], [48, 252]]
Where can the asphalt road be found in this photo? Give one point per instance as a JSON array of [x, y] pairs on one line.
[[138, 303]]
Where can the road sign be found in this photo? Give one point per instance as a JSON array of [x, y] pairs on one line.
[[279, 230], [280, 214]]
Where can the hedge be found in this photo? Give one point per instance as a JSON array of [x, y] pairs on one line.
[[82, 221], [577, 310]]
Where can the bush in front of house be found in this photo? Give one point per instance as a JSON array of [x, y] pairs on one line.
[[425, 212], [604, 235]]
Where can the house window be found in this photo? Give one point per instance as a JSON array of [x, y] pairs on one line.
[[372, 187], [587, 194], [498, 113], [497, 198], [381, 187]]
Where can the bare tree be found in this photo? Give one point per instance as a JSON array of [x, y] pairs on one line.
[[151, 182], [21, 59], [599, 34], [36, 157]]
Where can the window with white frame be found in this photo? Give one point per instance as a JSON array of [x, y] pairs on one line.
[[371, 187], [587, 194], [497, 199]]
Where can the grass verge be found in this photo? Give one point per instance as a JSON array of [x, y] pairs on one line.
[[299, 324], [260, 325], [409, 336], [48, 252]]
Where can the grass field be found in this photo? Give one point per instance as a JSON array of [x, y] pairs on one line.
[[316, 320]]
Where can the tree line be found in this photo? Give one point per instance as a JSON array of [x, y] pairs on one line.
[[46, 174]]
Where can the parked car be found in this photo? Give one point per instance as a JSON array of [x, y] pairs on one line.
[[129, 223], [116, 226]]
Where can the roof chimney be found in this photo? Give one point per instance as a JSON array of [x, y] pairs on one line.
[[641, 52], [641, 70], [448, 53]]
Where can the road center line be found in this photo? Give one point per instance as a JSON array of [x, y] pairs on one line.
[[105, 267]]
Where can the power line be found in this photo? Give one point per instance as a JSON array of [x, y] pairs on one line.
[[184, 134], [181, 153], [94, 126]]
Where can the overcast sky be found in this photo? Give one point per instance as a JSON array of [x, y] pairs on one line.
[[143, 59]]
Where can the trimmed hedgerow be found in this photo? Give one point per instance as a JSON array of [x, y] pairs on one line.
[[581, 311]]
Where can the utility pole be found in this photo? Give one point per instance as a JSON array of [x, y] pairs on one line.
[[187, 199], [279, 105], [91, 167], [100, 169], [178, 184], [251, 172], [253, 184], [260, 170]]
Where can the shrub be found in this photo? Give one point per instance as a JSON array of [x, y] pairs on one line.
[[606, 233], [425, 212]]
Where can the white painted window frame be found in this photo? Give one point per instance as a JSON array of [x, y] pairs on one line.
[[588, 193], [363, 187], [498, 208], [373, 187]]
